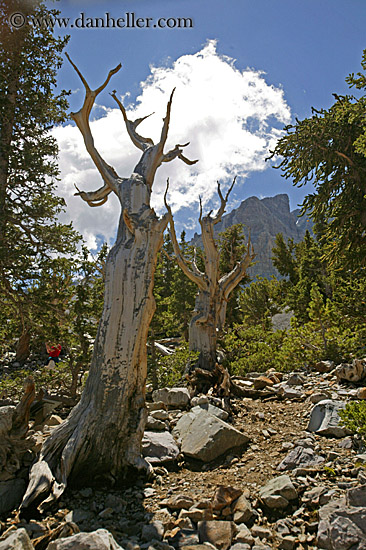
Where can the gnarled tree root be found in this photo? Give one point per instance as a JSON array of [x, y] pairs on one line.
[[68, 456]]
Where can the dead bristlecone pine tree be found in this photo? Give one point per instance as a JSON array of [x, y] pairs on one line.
[[101, 439], [214, 289]]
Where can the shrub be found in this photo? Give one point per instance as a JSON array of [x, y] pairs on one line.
[[252, 349], [57, 379], [353, 416], [170, 368]]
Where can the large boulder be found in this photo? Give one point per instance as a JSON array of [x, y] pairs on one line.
[[342, 527], [205, 437], [216, 411], [97, 540], [158, 448], [173, 398], [324, 419], [278, 492], [17, 540]]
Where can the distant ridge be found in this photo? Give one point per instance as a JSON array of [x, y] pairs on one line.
[[265, 218]]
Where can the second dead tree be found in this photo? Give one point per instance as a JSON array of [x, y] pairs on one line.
[[213, 289]]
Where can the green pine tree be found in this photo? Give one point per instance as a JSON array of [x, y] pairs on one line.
[[183, 293], [29, 107], [232, 248], [329, 150]]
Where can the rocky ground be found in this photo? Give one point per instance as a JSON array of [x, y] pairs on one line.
[[273, 470]]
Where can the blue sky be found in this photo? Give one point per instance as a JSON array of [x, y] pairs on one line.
[[296, 53]]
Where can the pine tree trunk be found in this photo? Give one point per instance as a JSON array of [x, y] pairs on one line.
[[22, 350], [101, 439], [202, 330], [112, 406]]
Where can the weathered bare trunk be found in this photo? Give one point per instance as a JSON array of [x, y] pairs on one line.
[[112, 406], [203, 330], [213, 290], [101, 438]]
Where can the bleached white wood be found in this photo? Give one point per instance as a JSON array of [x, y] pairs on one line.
[[213, 291], [101, 438]]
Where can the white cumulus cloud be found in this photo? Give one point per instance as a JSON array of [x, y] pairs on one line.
[[231, 117]]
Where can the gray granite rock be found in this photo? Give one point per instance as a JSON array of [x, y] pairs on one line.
[[279, 486], [242, 510], [154, 424], [156, 406], [346, 443], [319, 396], [357, 496], [179, 502], [289, 392], [261, 532], [154, 530], [324, 419], [243, 535], [175, 398], [295, 379], [216, 411], [342, 527], [199, 400], [218, 533], [276, 502], [11, 494], [96, 540], [300, 457], [17, 540], [205, 437], [160, 414], [159, 447]]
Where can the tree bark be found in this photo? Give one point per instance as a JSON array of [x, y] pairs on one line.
[[22, 349], [101, 439], [112, 406], [114, 392], [213, 291], [13, 41], [203, 329]]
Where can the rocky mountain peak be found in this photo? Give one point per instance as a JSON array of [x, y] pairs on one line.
[[265, 218]]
